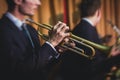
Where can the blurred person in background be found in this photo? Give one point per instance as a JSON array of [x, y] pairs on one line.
[[76, 67]]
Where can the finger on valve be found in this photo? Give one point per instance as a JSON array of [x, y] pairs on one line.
[[115, 51], [58, 33], [69, 42], [61, 27], [66, 42]]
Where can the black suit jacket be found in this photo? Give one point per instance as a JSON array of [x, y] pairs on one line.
[[88, 32], [17, 58], [74, 66], [77, 67]]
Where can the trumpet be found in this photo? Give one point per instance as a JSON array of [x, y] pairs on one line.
[[117, 30], [82, 41]]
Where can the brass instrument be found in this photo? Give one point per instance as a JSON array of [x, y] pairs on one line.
[[77, 39], [117, 30]]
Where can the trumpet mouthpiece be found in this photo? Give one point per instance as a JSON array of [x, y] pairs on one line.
[[28, 19]]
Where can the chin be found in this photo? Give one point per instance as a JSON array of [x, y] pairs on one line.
[[30, 14]]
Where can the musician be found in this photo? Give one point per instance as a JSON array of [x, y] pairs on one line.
[[76, 67], [21, 55]]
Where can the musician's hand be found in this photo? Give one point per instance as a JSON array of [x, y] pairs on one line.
[[58, 33], [66, 42], [115, 51]]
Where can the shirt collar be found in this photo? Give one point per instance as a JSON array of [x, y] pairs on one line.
[[90, 22], [15, 20]]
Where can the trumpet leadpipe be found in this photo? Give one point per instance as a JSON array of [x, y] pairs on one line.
[[49, 27]]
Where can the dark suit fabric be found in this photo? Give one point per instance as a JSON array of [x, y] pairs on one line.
[[77, 67], [18, 59], [88, 32]]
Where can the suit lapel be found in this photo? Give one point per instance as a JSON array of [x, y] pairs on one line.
[[17, 34]]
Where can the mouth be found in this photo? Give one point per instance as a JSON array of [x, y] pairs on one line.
[[34, 9]]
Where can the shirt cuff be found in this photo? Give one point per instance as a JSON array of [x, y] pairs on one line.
[[57, 54]]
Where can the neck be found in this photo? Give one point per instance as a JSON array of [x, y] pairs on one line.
[[93, 20], [18, 15]]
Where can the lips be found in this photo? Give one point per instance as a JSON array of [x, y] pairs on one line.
[[35, 8]]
